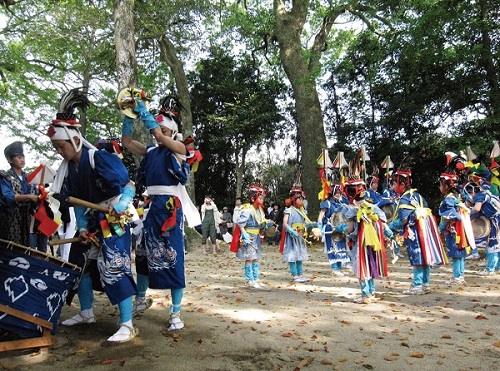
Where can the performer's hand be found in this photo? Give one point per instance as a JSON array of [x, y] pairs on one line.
[[292, 232], [84, 234], [341, 228], [139, 106], [245, 237]]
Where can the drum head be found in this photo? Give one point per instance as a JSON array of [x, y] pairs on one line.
[[338, 218], [126, 101], [389, 210], [271, 231], [481, 227]]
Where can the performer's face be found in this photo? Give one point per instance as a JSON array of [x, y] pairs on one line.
[[299, 201], [443, 188], [17, 162], [65, 149], [258, 200]]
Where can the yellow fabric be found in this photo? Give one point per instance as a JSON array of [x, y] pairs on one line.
[[296, 226], [252, 230], [371, 237]]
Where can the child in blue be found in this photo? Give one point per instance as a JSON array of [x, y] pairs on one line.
[[101, 178], [485, 204], [17, 198], [246, 241], [454, 215], [422, 240], [334, 235], [165, 171], [293, 246]]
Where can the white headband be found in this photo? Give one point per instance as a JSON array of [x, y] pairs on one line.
[[62, 132], [168, 123]]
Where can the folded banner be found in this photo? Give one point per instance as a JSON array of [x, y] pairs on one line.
[[36, 286]]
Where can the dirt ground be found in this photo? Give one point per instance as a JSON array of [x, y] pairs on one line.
[[290, 326]]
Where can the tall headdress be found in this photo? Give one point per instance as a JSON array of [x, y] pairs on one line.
[[66, 127], [355, 187], [402, 176]]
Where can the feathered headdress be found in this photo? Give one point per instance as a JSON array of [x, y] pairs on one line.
[[171, 107], [67, 104]]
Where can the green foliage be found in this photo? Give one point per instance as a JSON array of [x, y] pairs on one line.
[[235, 110]]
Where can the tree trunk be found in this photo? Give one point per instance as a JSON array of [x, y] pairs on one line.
[[169, 56], [126, 63], [311, 131]]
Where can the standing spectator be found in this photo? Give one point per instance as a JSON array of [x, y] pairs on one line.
[[226, 225], [237, 210], [17, 197], [210, 220], [276, 216]]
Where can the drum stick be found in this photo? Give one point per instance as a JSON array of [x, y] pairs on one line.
[[64, 240], [91, 205]]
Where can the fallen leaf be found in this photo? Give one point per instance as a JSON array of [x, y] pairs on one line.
[[416, 355], [496, 344], [480, 316], [446, 336], [106, 361], [391, 358]]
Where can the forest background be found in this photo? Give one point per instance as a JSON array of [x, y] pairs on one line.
[[267, 85]]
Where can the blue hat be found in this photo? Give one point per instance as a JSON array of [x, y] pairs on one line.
[[13, 149]]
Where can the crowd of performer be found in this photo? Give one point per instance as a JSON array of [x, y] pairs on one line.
[[361, 228]]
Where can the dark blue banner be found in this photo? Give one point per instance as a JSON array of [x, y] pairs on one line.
[[34, 286]]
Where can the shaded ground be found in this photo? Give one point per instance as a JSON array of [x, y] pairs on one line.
[[288, 326]]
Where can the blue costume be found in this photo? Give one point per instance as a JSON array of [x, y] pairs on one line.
[[422, 240], [453, 215], [163, 225], [99, 183], [15, 216], [490, 211], [335, 248], [252, 220], [294, 248], [369, 255]]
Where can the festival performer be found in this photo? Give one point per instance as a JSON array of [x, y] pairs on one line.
[[372, 194], [366, 229], [485, 204], [455, 226], [335, 248], [247, 242], [17, 199], [165, 172], [101, 178], [420, 231], [293, 243]]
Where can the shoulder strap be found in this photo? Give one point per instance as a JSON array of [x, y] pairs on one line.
[[91, 157]]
